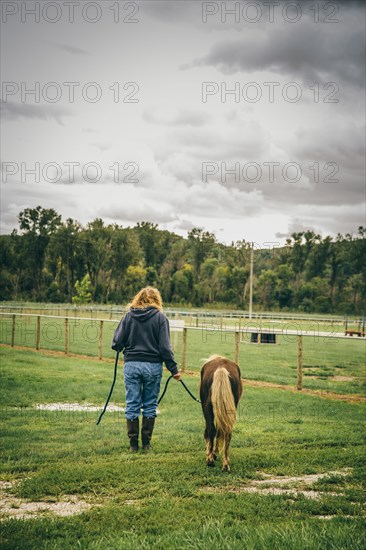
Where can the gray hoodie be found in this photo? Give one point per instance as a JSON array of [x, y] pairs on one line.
[[143, 335]]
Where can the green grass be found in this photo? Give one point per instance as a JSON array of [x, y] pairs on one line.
[[169, 499]]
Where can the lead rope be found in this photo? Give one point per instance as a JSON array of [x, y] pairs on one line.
[[111, 390], [160, 398], [185, 387]]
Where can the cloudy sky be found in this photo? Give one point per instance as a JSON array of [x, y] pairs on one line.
[[244, 118]]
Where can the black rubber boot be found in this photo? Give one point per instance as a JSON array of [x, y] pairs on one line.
[[133, 434], [146, 432]]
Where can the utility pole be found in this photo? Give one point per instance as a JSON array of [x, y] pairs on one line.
[[251, 282]]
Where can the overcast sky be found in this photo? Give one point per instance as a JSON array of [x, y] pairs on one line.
[[148, 115]]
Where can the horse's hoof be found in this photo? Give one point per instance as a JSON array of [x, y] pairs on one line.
[[226, 468], [215, 457], [210, 463]]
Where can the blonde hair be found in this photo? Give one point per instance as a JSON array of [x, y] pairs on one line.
[[147, 297]]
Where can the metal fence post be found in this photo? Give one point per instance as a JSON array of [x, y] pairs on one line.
[[236, 354], [101, 340], [38, 332], [13, 332], [299, 362], [66, 335], [184, 350]]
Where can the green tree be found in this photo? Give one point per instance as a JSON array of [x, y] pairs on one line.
[[267, 283], [201, 245], [284, 292], [135, 279], [37, 224], [125, 251], [239, 278], [183, 283], [64, 256], [96, 246], [83, 288]]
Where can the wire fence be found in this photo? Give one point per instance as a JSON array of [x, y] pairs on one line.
[[92, 337], [192, 316]]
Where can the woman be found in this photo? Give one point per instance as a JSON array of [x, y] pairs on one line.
[[143, 335]]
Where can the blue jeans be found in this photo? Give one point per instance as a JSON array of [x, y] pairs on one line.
[[142, 383]]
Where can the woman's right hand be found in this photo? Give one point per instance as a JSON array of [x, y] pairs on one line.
[[176, 376]]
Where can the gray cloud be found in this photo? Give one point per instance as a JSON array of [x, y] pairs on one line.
[[101, 146], [143, 212], [303, 51], [74, 50], [183, 118], [330, 221], [185, 225], [173, 12], [322, 143], [15, 111], [296, 226]]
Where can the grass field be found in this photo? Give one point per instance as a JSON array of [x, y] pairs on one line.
[[275, 496]]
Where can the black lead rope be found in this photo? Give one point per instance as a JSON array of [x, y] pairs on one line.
[[185, 387], [191, 394], [166, 387], [160, 398], [111, 390]]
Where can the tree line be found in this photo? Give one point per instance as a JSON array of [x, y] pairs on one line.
[[51, 260]]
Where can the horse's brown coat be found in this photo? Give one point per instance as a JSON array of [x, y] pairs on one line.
[[214, 376]]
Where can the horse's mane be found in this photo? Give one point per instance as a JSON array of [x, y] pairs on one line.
[[212, 357]]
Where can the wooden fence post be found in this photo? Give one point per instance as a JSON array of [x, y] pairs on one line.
[[236, 354], [299, 362], [184, 350], [38, 332], [13, 332], [66, 335], [101, 340]]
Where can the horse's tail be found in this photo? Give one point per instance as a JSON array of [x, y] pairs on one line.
[[223, 403]]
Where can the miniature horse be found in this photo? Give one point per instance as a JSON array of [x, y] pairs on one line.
[[220, 392]]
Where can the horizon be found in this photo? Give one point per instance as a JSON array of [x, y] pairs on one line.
[[256, 245]]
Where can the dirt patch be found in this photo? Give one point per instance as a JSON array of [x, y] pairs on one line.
[[12, 507], [19, 508], [333, 378], [308, 478], [281, 485], [6, 485], [132, 502], [315, 495], [281, 491]]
